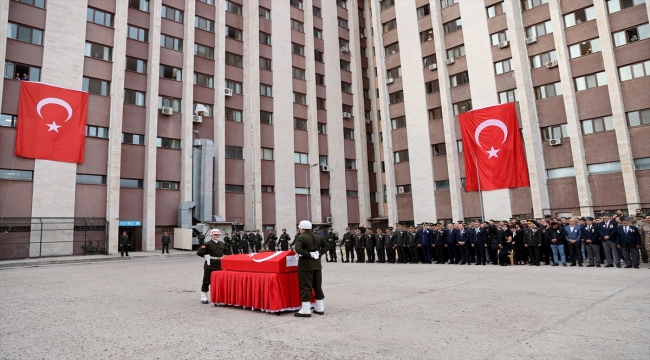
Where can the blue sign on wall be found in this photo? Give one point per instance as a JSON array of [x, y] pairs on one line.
[[130, 223]]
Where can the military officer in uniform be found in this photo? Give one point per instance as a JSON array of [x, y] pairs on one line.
[[359, 245], [244, 242], [370, 245], [332, 238], [439, 243], [257, 240], [310, 247], [400, 241], [389, 244], [412, 241], [349, 245], [644, 233], [271, 240], [426, 239], [379, 243], [284, 240], [213, 251], [235, 242]]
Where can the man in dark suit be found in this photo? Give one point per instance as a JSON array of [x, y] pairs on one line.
[[629, 241], [608, 231], [573, 236], [591, 240], [478, 243], [533, 239], [426, 239], [556, 237], [463, 244], [165, 240], [452, 244]]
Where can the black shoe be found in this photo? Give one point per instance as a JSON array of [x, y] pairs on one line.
[[628, 266], [618, 266], [556, 264], [645, 261], [564, 264], [609, 265], [636, 266], [547, 263], [580, 264], [319, 312], [301, 315], [597, 265], [477, 264], [573, 264], [204, 302], [590, 265], [537, 264], [167, 252], [531, 264]]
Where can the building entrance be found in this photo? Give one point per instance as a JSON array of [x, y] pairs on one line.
[[134, 234]]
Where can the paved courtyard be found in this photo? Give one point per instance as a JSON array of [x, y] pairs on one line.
[[150, 309]]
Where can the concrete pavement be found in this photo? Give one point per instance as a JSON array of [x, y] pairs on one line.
[[150, 309], [133, 255]]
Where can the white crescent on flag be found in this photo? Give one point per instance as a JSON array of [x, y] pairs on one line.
[[55, 101], [266, 258], [487, 123]]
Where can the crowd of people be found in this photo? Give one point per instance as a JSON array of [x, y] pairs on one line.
[[609, 240]]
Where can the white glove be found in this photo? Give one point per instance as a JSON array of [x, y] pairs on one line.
[[207, 258], [315, 254]]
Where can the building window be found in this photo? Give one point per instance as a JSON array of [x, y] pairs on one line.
[[451, 26], [169, 72], [351, 193], [632, 35], [459, 79], [394, 73], [297, 49], [37, 3], [396, 97], [401, 156], [462, 107], [299, 124], [494, 10], [320, 79], [344, 44], [318, 56], [539, 29], [137, 65], [342, 4], [369, 137], [579, 16], [168, 143], [456, 52], [235, 86], [22, 72], [91, 179], [266, 90], [96, 86], [590, 81], [298, 73], [637, 118], [297, 25], [508, 96], [429, 60], [432, 86], [204, 80], [322, 128], [203, 24], [234, 152], [614, 6], [96, 131], [442, 185], [265, 13], [175, 104], [540, 60], [131, 183], [392, 49], [503, 66], [299, 98], [208, 53], [348, 133], [345, 65], [209, 2], [142, 5], [389, 25], [7, 120], [435, 114], [300, 158], [268, 189], [167, 185], [302, 191], [550, 90], [320, 103], [170, 42], [439, 149], [584, 48], [604, 168], [318, 33], [207, 113], [529, 4], [637, 70], [426, 36], [366, 94], [322, 160], [234, 115], [350, 164], [597, 125], [499, 37], [134, 97], [25, 33], [237, 34], [266, 117], [343, 23], [267, 154], [133, 139], [642, 164], [266, 64], [296, 3], [98, 51], [423, 11], [234, 8], [136, 33], [404, 189], [555, 132], [459, 147], [561, 173], [346, 87], [234, 188], [347, 108], [264, 38], [172, 14], [98, 17], [385, 4]]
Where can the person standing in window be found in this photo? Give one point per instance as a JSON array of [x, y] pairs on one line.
[[165, 242]]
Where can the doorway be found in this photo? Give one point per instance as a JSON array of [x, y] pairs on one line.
[[134, 234]]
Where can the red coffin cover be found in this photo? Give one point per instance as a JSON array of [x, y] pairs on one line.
[[266, 262]]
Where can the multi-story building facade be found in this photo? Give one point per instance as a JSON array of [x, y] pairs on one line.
[[343, 112]]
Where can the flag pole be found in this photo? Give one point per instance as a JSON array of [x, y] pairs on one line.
[[480, 196]]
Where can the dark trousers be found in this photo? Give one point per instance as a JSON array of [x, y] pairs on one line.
[[521, 254], [332, 251], [272, 246], [426, 250], [407, 254], [165, 246], [206, 279], [440, 254], [547, 254], [381, 255], [258, 248], [479, 250], [494, 256], [309, 280], [360, 255], [235, 250], [370, 251], [401, 254], [349, 251], [575, 251], [124, 249], [534, 252], [503, 254], [464, 253], [593, 253], [245, 249], [631, 255], [390, 255], [413, 253], [451, 249]]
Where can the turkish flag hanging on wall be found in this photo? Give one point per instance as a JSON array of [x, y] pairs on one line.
[[491, 141], [51, 123]]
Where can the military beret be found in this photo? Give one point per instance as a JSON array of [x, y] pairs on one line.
[[412, 226], [589, 218], [625, 218], [606, 213]]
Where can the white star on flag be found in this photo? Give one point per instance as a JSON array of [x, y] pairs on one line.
[[492, 152], [53, 127]]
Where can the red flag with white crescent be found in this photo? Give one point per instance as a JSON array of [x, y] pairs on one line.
[[51, 123], [491, 141]]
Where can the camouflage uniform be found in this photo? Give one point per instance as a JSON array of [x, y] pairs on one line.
[[644, 233]]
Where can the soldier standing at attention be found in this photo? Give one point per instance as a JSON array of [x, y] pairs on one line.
[[236, 242], [310, 247], [332, 238], [228, 242], [400, 241], [257, 240], [213, 251], [271, 239], [389, 243], [244, 242], [644, 233], [379, 243], [359, 245], [439, 243], [412, 241], [370, 245], [284, 240], [349, 246]]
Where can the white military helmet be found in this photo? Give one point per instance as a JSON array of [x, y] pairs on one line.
[[215, 231], [304, 224]]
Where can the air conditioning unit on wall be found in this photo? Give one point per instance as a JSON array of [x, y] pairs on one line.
[[390, 81], [228, 92], [329, 220], [197, 119], [555, 142], [166, 110], [325, 168], [551, 64], [433, 67], [450, 61], [400, 189], [504, 44], [531, 40]]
